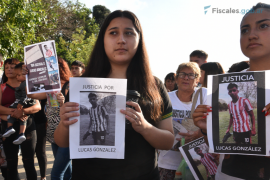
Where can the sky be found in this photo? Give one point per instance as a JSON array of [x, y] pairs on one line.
[[174, 28]]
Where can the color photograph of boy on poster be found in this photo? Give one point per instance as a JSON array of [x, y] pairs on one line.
[[237, 123], [43, 72], [100, 131], [202, 164], [97, 114]]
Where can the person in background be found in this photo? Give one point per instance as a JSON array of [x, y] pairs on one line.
[[187, 78], [210, 68], [7, 97], [170, 82], [238, 67], [77, 68], [255, 44], [62, 164], [1, 64], [199, 57], [21, 102]]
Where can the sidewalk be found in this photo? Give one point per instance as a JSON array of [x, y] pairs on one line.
[[50, 160]]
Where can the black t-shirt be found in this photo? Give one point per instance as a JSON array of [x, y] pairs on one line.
[[40, 116], [140, 157]]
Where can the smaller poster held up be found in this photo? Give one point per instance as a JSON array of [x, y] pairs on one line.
[[177, 127], [237, 124], [42, 64], [202, 164], [100, 130]]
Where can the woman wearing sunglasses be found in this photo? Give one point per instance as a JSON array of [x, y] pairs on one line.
[[187, 79]]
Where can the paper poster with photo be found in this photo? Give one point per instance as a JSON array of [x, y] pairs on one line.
[[201, 163], [177, 127], [100, 130], [43, 73], [52, 98], [237, 124]]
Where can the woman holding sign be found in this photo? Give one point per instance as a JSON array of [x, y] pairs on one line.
[[7, 97], [255, 44], [120, 53]]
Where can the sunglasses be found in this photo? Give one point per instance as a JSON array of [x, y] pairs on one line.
[[234, 90]]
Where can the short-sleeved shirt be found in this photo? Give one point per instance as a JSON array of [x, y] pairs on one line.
[[98, 118], [140, 157], [239, 112], [208, 162]]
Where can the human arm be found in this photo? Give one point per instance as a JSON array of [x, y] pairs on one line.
[[39, 96], [61, 134], [253, 130], [190, 135], [60, 98], [87, 133], [230, 124], [160, 137], [30, 110]]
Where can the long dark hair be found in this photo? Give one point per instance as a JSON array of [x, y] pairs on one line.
[[211, 68], [138, 73], [8, 61]]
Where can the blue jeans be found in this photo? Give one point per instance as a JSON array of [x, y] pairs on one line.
[[62, 164]]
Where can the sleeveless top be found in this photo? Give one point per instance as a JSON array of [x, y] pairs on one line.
[[8, 97]]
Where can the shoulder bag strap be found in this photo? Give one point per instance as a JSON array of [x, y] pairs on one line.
[[195, 99]]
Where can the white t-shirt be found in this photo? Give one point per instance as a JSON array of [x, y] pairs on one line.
[[181, 110]]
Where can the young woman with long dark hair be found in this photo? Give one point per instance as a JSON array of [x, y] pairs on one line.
[[255, 44], [120, 52]]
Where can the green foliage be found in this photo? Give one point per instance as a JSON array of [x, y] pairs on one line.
[[69, 23], [100, 13], [78, 49], [18, 22]]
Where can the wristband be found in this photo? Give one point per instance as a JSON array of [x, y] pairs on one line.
[[203, 133]]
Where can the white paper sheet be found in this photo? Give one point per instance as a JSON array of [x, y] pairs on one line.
[[111, 97]]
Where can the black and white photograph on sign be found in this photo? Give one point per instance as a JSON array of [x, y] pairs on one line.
[[97, 114], [42, 64], [100, 129], [51, 63], [237, 123], [48, 50], [202, 164]]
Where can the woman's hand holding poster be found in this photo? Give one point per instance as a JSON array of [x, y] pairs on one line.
[[237, 124]]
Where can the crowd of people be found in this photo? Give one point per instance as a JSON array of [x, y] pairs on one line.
[[120, 52]]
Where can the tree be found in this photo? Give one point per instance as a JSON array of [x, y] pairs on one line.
[[18, 22], [100, 13], [248, 90], [78, 49]]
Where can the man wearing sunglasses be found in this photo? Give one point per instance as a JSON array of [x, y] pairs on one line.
[[240, 110]]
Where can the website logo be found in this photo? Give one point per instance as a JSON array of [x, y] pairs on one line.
[[205, 9]]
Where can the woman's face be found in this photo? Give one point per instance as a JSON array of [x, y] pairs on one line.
[[121, 41], [170, 84], [202, 76], [186, 84], [255, 34], [9, 70]]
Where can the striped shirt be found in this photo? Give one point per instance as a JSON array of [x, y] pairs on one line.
[[97, 115], [48, 53], [239, 113], [208, 162]]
